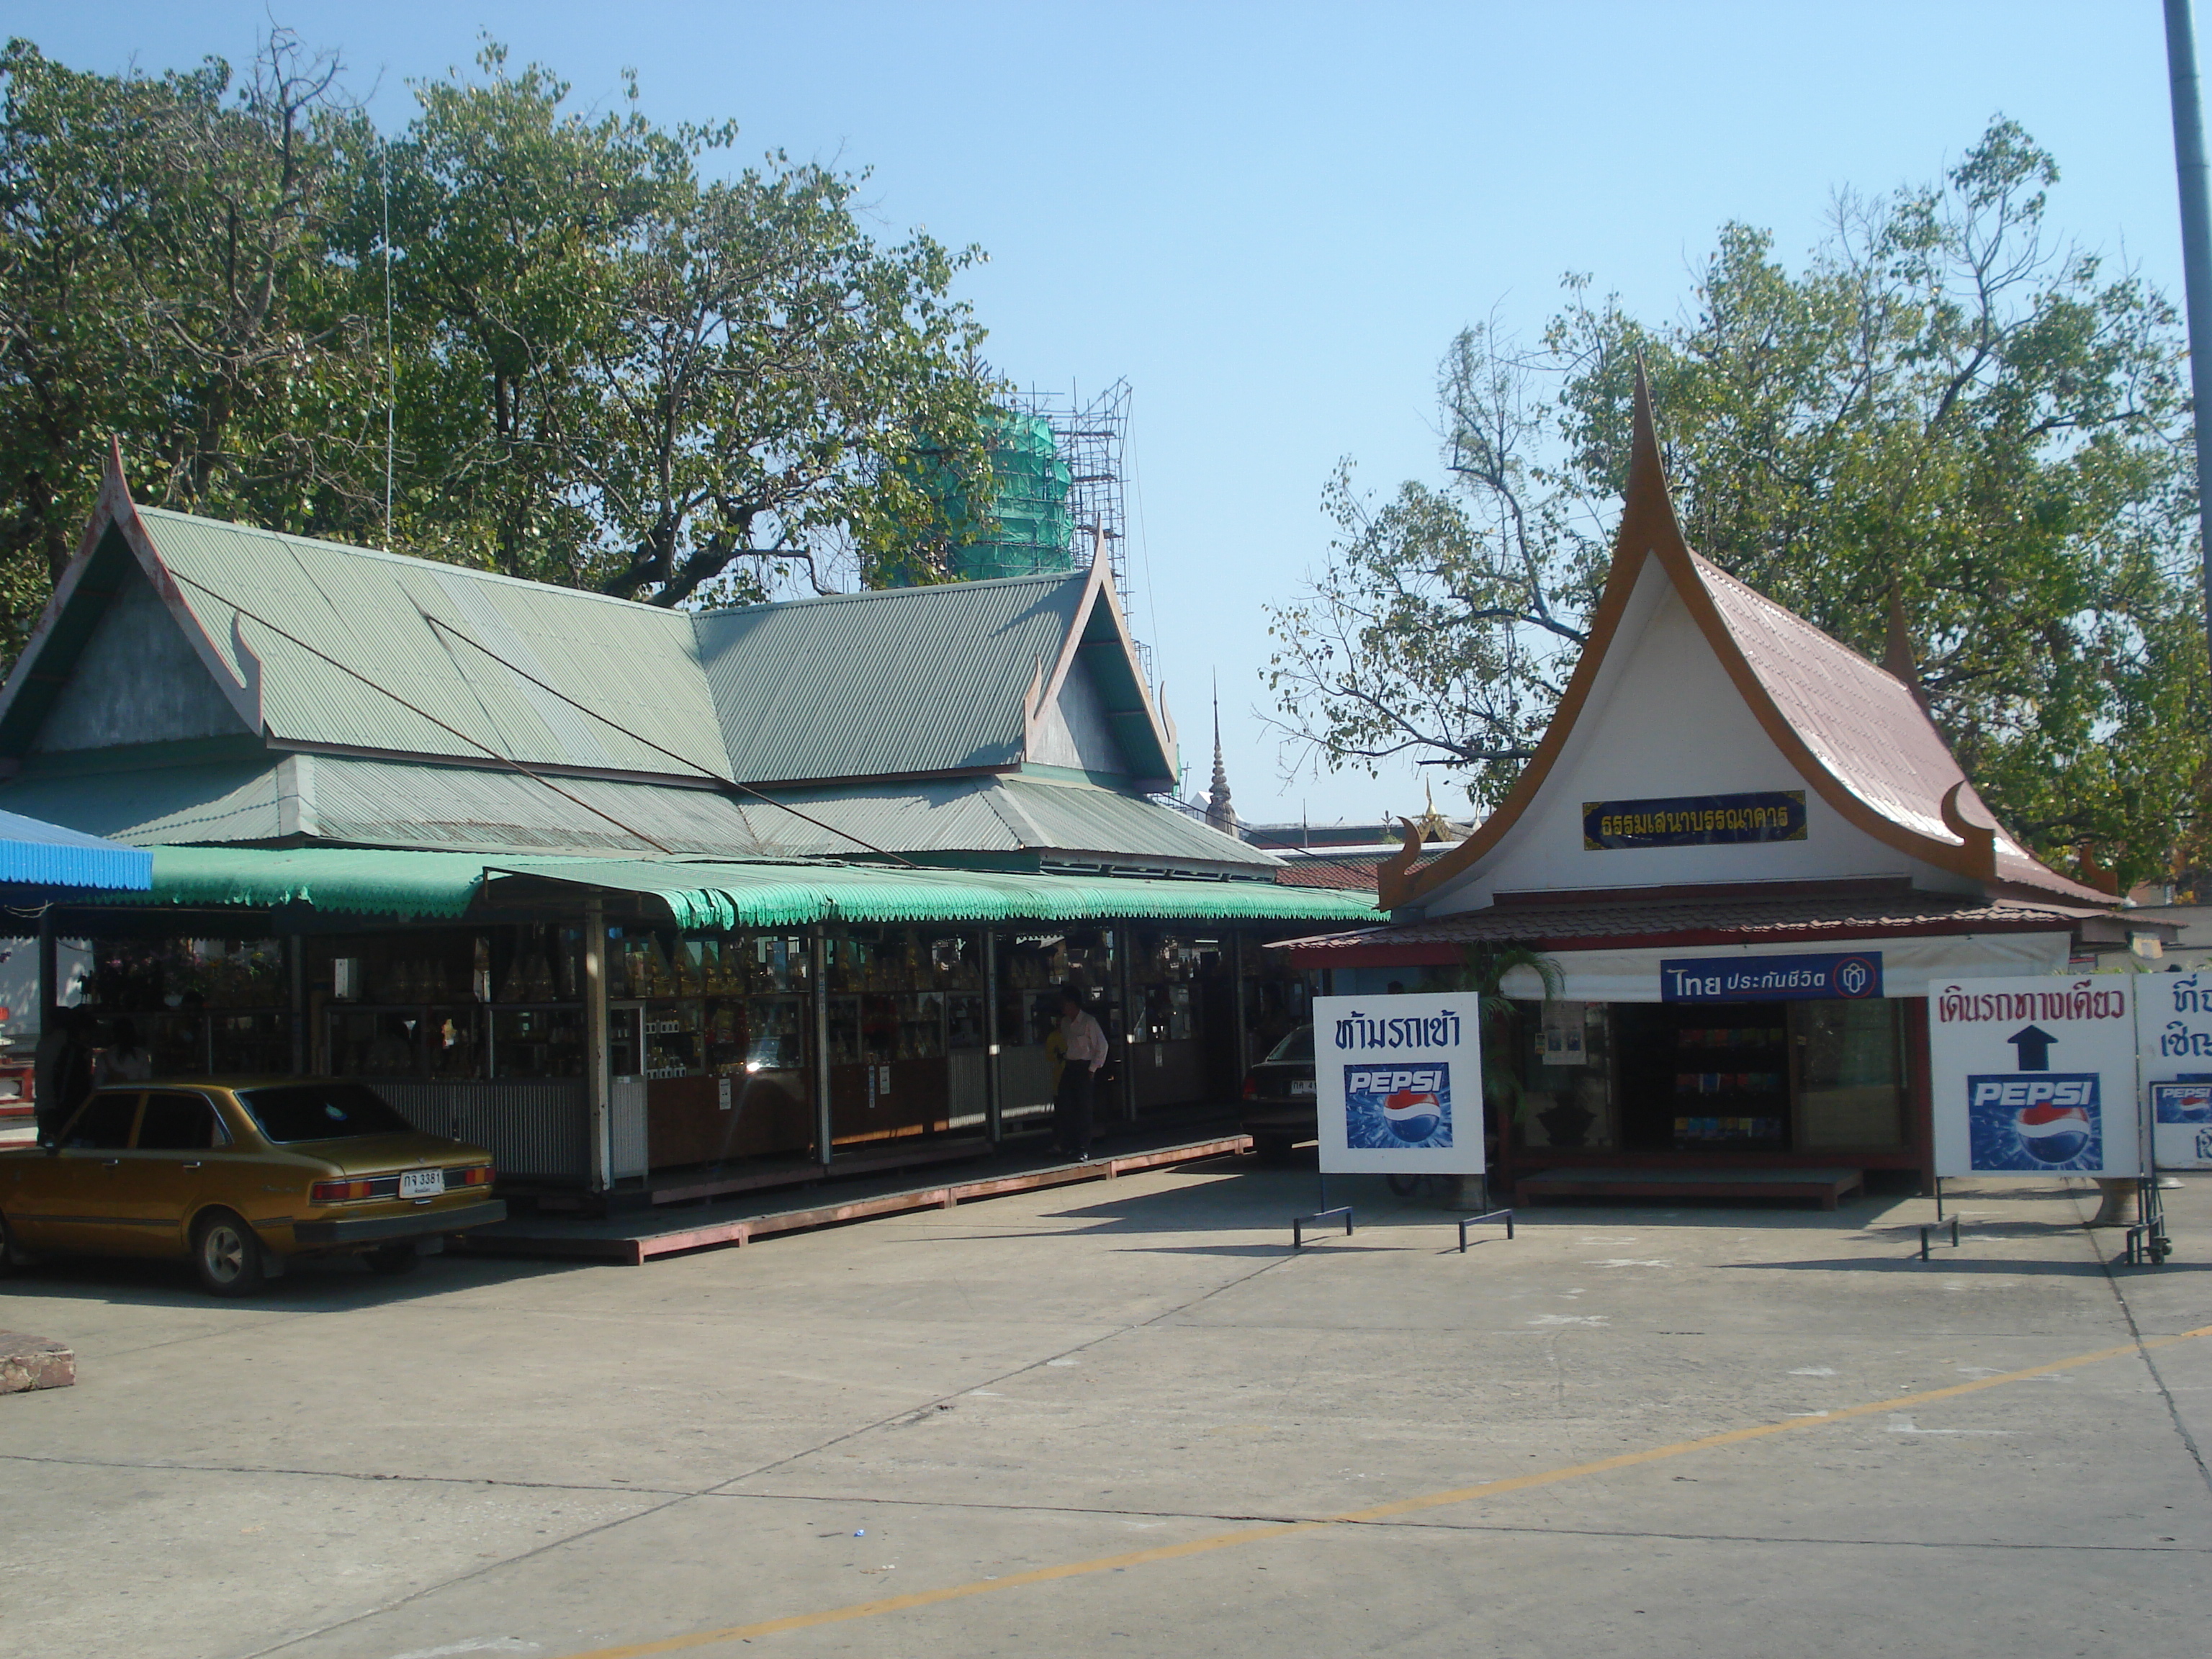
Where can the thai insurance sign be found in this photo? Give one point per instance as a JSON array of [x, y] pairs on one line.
[[2035, 1077], [1398, 1083], [1797, 978]]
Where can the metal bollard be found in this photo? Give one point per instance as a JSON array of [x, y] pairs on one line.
[[1300, 1223]]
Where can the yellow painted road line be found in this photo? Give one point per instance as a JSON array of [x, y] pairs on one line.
[[1223, 1540]]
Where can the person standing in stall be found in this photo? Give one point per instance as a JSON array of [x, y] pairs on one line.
[[1085, 1048]]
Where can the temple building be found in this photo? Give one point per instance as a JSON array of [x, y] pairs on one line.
[[1744, 857]]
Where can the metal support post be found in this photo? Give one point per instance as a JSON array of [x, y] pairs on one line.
[[50, 990], [994, 1094], [599, 1077], [1300, 1223], [817, 976], [1488, 1216], [2189, 174], [1238, 1011], [295, 973]]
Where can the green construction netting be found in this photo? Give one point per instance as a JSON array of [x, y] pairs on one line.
[[711, 896], [1029, 501]]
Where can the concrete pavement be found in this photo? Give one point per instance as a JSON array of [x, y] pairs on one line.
[[1013, 1415]]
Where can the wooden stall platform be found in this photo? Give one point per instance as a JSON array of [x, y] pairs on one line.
[[635, 1237], [1828, 1188]]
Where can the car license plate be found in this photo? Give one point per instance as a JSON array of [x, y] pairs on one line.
[[422, 1183], [1302, 1086]]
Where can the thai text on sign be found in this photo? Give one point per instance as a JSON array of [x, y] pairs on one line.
[[1846, 976], [1693, 821]]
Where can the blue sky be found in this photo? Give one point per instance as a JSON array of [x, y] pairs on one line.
[[1271, 219]]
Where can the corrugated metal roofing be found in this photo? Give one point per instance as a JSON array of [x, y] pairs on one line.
[[703, 893], [379, 803], [706, 896], [338, 878], [879, 684], [48, 855], [222, 801], [367, 610]]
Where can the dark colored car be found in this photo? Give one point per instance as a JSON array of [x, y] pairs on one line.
[[1278, 1109]]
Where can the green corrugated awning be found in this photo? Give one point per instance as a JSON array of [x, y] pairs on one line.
[[706, 896], [357, 881], [370, 882]]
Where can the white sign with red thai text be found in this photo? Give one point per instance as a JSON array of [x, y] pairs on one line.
[[2035, 1077]]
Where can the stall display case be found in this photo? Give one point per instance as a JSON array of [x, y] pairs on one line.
[[419, 1040], [198, 1006], [537, 1040]]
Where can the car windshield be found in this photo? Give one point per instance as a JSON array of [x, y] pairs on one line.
[[1296, 1046], [320, 1111]]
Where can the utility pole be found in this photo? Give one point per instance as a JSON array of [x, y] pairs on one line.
[[2196, 257]]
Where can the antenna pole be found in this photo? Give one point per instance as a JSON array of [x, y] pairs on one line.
[[2195, 256], [390, 365]]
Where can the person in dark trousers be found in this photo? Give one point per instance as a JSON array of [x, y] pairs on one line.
[[1078, 1074], [62, 1076]]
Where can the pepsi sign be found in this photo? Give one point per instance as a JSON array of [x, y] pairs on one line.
[[1397, 1106], [2035, 1076], [1398, 1083], [2032, 1123]]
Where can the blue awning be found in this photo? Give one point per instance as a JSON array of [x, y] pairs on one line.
[[36, 855]]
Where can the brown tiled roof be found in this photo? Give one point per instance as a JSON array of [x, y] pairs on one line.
[[1865, 725], [1348, 875], [1855, 733], [1590, 925]]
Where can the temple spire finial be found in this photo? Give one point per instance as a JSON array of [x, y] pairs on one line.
[[1219, 814]]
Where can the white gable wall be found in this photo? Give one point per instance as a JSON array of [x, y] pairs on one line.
[[1665, 720], [1074, 731], [138, 680]]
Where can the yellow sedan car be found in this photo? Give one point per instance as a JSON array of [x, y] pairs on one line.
[[238, 1176]]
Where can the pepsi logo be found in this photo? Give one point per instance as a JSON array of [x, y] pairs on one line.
[[1411, 1117], [2055, 1135]]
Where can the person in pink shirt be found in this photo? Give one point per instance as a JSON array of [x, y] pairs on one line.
[[1078, 1075]]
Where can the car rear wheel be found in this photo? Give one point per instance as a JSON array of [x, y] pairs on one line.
[[391, 1260], [10, 1260], [227, 1254]]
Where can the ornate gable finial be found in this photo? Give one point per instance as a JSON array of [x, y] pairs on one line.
[[1647, 505]]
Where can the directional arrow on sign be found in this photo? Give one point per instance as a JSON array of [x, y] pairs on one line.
[[2034, 1045]]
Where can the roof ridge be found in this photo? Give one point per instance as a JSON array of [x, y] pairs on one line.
[[1053, 578], [384, 555]]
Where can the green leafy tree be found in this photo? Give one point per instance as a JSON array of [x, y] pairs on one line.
[[585, 360], [165, 278], [1942, 429]]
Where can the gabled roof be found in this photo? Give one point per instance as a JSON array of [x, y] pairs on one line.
[[888, 681], [317, 646], [904, 682], [1855, 733], [258, 607]]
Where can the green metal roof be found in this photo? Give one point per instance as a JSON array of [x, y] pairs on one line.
[[709, 895], [379, 803], [883, 684], [342, 879], [371, 611]]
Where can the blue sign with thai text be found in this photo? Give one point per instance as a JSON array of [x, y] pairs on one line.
[[1846, 977]]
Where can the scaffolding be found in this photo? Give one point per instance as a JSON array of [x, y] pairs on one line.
[[1092, 438]]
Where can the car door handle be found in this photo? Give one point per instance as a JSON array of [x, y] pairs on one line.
[[112, 1162], [194, 1164]]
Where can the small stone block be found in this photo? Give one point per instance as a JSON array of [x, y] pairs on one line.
[[32, 1361]]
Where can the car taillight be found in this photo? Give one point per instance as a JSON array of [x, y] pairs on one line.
[[339, 1192], [479, 1175], [1251, 1088]]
